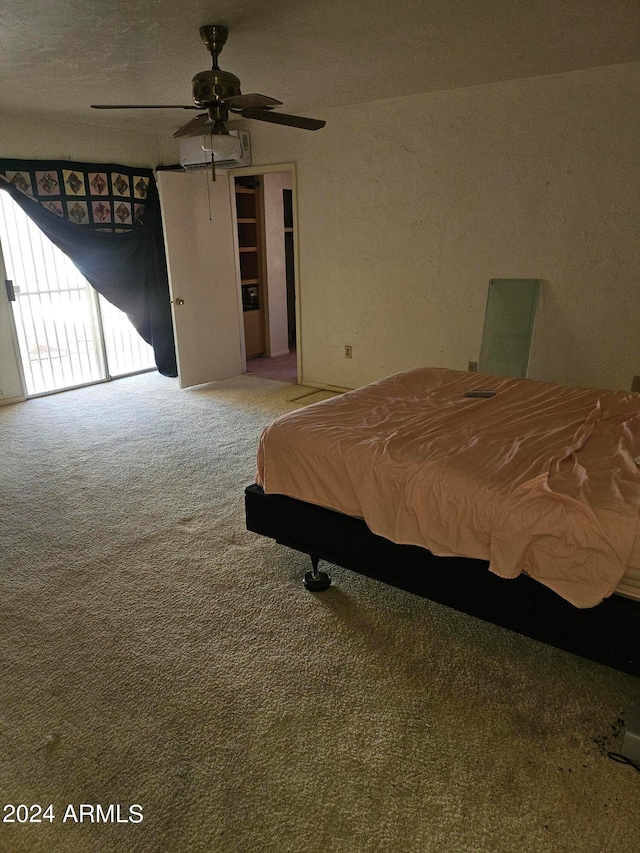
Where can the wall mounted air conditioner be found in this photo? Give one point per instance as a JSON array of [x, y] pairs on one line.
[[193, 156]]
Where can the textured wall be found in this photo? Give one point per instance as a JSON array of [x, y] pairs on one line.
[[28, 136], [407, 209]]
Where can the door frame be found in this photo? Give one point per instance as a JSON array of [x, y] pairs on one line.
[[247, 171], [12, 369]]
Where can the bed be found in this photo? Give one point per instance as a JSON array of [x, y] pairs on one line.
[[513, 500]]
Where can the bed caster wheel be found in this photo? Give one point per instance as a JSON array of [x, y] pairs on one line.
[[314, 580]]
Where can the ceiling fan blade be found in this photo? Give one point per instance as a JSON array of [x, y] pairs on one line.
[[246, 102], [283, 118], [143, 107], [198, 126]]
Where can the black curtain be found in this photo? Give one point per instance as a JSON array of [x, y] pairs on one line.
[[106, 218]]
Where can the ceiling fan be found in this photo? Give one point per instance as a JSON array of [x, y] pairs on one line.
[[218, 92]]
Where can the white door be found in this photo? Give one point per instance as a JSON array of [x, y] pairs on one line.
[[202, 263]]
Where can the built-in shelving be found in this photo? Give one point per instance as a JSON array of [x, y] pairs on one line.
[[248, 210]]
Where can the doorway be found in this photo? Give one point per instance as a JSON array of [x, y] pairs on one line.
[[67, 334], [268, 296]]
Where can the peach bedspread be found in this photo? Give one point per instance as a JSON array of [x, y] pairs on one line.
[[540, 478]]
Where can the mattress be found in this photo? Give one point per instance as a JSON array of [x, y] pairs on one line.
[[536, 478], [629, 585]]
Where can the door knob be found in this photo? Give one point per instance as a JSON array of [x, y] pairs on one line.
[[179, 301]]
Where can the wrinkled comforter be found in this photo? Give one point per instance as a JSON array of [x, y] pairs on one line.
[[540, 478]]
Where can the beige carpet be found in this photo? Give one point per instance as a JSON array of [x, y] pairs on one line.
[[153, 652]]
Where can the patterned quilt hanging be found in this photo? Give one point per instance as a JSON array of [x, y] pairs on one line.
[[103, 197], [76, 204]]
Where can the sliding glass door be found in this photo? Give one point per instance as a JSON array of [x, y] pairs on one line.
[[68, 335]]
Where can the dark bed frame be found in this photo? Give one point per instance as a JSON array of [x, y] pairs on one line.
[[608, 633]]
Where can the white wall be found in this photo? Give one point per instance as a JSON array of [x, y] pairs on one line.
[[407, 208], [28, 137]]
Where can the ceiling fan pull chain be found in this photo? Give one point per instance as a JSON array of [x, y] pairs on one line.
[[213, 177]]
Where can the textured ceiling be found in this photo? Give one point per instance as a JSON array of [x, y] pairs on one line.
[[59, 56]]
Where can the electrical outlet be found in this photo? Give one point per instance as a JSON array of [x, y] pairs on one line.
[[635, 385], [473, 367], [347, 351]]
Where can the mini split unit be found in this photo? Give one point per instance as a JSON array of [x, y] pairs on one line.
[[193, 156]]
